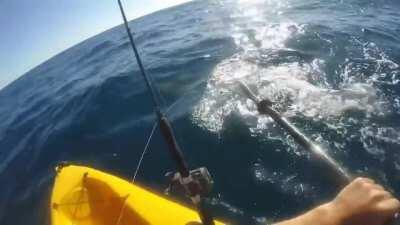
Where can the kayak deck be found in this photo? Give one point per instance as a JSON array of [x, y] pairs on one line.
[[85, 196]]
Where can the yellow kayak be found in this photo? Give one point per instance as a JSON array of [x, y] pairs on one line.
[[85, 196]]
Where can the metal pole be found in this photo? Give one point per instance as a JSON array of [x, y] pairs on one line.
[[168, 134]]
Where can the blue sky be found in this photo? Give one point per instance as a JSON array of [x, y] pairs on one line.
[[32, 31]]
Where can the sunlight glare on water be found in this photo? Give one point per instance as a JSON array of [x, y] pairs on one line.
[[331, 69], [299, 88]]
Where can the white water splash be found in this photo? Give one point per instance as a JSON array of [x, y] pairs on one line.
[[289, 85], [298, 88], [373, 136], [287, 183]]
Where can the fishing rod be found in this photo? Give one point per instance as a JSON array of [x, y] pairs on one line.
[[192, 181], [332, 168], [195, 182]]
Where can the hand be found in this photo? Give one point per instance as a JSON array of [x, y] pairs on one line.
[[363, 202]]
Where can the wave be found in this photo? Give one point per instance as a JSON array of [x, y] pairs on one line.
[[335, 77]]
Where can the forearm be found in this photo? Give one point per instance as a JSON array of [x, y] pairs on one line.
[[320, 215], [360, 202]]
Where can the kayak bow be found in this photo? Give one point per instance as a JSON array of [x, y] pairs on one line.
[[86, 196]]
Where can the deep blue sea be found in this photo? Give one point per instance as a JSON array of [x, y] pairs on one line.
[[330, 66]]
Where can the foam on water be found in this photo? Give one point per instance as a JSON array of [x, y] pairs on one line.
[[298, 88], [289, 85], [295, 87], [288, 183], [373, 136], [84, 105]]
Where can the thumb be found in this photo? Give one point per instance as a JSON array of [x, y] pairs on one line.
[[389, 207]]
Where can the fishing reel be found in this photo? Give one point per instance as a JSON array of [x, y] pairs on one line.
[[199, 182]]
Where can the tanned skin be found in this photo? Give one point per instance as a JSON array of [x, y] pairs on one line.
[[362, 202]]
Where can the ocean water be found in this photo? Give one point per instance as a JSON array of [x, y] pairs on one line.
[[331, 67]]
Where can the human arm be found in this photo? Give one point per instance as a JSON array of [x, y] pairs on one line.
[[362, 202]]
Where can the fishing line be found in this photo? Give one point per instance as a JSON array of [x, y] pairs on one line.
[[147, 146], [141, 161], [144, 152], [192, 186]]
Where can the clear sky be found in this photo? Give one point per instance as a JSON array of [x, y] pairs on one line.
[[32, 31]]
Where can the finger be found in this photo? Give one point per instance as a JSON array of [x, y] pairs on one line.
[[372, 186], [390, 206], [363, 180], [386, 195], [368, 180], [379, 195], [378, 187]]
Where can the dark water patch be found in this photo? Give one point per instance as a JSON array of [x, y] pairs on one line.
[[153, 34], [96, 50], [272, 57], [89, 105], [378, 34], [224, 44]]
